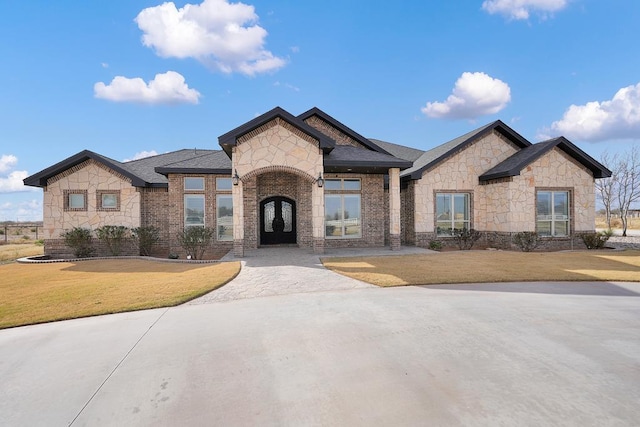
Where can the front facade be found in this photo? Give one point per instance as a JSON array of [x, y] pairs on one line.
[[313, 182]]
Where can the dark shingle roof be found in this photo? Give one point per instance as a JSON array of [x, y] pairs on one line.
[[346, 158], [146, 172], [211, 161], [400, 151], [438, 154], [40, 179], [315, 111], [514, 164]]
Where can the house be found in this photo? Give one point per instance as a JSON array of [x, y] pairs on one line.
[[311, 181]]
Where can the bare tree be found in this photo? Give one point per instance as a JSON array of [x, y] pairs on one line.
[[627, 184], [606, 187]]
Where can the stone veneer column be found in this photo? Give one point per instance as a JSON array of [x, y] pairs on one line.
[[317, 212], [238, 220], [394, 208]]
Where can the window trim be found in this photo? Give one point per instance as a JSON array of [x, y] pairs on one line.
[[204, 210], [67, 196], [100, 200], [218, 196], [569, 221], [342, 193], [452, 193]]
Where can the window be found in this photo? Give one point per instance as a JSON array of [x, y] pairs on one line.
[[194, 210], [342, 206], [223, 184], [75, 200], [194, 183], [552, 213], [452, 213], [108, 200], [224, 207]]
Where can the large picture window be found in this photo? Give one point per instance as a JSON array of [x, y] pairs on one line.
[[194, 210], [452, 213], [552, 216], [224, 207], [342, 206]]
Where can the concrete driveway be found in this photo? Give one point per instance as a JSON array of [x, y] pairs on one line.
[[504, 354]]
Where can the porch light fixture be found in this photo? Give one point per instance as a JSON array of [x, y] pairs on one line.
[[235, 179], [320, 180]]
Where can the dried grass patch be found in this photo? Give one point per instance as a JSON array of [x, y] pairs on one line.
[[490, 266], [35, 293]]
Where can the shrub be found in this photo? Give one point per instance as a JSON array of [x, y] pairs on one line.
[[39, 242], [435, 245], [195, 240], [596, 240], [79, 239], [145, 237], [527, 241], [113, 236], [466, 238]]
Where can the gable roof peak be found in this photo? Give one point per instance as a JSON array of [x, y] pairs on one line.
[[230, 139]]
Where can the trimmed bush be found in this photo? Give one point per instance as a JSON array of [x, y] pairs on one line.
[[146, 238], [435, 245], [596, 240], [195, 240], [466, 238], [527, 241], [113, 236], [79, 239]]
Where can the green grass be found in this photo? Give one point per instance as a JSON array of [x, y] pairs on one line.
[[36, 293], [490, 266]]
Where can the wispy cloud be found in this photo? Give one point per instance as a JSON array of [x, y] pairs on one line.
[[142, 155], [11, 180], [522, 9]]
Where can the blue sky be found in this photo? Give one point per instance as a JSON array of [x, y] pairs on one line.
[[127, 77]]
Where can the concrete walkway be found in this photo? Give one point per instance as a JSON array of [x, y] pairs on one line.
[[288, 270]]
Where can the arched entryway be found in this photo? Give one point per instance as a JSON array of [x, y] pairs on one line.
[[277, 221]]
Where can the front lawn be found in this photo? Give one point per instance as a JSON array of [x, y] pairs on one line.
[[490, 266], [35, 293]]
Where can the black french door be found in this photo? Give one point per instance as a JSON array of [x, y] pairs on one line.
[[277, 221]]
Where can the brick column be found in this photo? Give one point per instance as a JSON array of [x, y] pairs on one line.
[[317, 211], [394, 208], [238, 220]]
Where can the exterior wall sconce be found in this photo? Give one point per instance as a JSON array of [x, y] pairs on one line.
[[320, 180], [235, 179]]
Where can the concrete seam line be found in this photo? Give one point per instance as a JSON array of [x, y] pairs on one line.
[[118, 365]]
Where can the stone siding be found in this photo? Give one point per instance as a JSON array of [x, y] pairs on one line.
[[459, 173], [337, 135]]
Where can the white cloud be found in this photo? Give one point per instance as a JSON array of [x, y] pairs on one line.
[[521, 9], [217, 33], [287, 86], [142, 155], [11, 181], [474, 95], [29, 210], [7, 162], [167, 88], [618, 118]]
